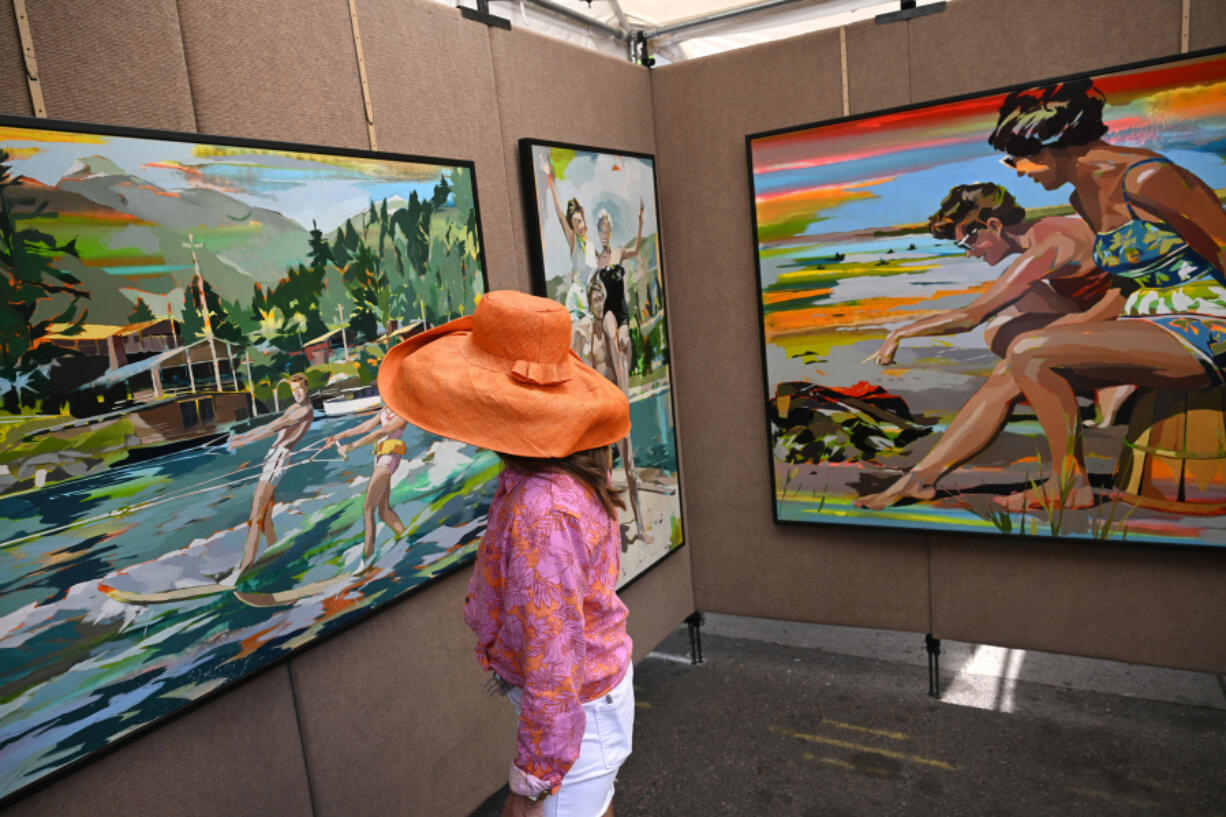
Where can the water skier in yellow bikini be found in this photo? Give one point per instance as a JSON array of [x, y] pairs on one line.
[[384, 430]]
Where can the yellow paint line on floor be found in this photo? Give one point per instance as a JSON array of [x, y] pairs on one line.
[[642, 705], [843, 744], [1158, 784], [851, 726], [843, 764], [1114, 798]]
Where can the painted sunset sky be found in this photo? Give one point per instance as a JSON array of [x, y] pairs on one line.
[[274, 179], [884, 171]]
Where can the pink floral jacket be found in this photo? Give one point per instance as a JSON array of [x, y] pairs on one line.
[[541, 602]]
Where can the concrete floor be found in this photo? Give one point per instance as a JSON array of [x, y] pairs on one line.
[[790, 719]]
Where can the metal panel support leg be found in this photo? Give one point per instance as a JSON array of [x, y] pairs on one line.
[[695, 622], [933, 645]]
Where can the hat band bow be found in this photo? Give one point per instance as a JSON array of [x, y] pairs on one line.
[[540, 374]]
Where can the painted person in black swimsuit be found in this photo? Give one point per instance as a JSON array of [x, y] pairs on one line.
[[598, 354], [615, 316]]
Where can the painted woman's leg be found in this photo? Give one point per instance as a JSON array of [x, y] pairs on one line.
[[972, 429], [1124, 352], [1107, 404], [376, 495], [614, 356]]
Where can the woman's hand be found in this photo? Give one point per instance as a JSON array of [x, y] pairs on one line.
[[547, 169], [885, 355], [640, 212], [519, 806]]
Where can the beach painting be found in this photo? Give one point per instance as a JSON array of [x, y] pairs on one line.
[[594, 236], [197, 474], [1003, 313]]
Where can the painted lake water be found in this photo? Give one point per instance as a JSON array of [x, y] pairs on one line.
[[79, 669]]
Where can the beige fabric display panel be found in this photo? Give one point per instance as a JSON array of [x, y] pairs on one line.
[[395, 718], [742, 562], [558, 92], [658, 601], [238, 755], [115, 63], [1206, 24], [285, 71], [1144, 605], [15, 89], [442, 102], [975, 45], [878, 58], [1083, 600]]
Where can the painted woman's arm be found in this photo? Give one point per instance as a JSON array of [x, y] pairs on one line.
[[631, 252], [360, 428], [377, 434], [1032, 266], [547, 167]]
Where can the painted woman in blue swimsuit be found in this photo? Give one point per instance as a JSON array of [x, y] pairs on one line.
[[1159, 229]]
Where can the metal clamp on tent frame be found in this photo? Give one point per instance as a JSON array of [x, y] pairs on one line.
[[481, 14], [909, 11], [639, 48]]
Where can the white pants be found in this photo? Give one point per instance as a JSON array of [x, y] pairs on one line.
[[587, 789]]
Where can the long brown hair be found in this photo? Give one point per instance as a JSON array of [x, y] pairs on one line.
[[590, 467]]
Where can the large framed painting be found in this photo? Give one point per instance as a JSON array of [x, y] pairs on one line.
[[197, 474], [594, 237], [1003, 313]]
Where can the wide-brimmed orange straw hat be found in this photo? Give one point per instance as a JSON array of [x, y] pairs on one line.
[[506, 379]]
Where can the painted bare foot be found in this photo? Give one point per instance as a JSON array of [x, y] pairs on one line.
[[905, 487], [1047, 495]]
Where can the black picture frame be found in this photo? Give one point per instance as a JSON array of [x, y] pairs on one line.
[[465, 552], [1031, 532], [540, 277]]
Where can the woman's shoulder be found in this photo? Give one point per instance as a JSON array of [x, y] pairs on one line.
[[551, 492]]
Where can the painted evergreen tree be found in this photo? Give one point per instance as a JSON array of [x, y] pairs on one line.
[[141, 313], [193, 321], [28, 278]]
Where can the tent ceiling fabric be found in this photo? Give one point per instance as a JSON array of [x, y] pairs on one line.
[[751, 28]]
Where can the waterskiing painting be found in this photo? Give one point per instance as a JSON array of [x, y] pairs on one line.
[[593, 227], [197, 473], [1003, 313]]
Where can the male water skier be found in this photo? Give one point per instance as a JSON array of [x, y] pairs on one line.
[[290, 427]]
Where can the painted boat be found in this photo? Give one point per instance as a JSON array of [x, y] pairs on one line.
[[353, 401]]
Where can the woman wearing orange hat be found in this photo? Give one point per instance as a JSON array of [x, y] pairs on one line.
[[541, 600]]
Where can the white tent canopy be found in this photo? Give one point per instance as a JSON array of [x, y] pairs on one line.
[[682, 29]]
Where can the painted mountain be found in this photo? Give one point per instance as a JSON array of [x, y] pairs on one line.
[[131, 237], [285, 248]]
